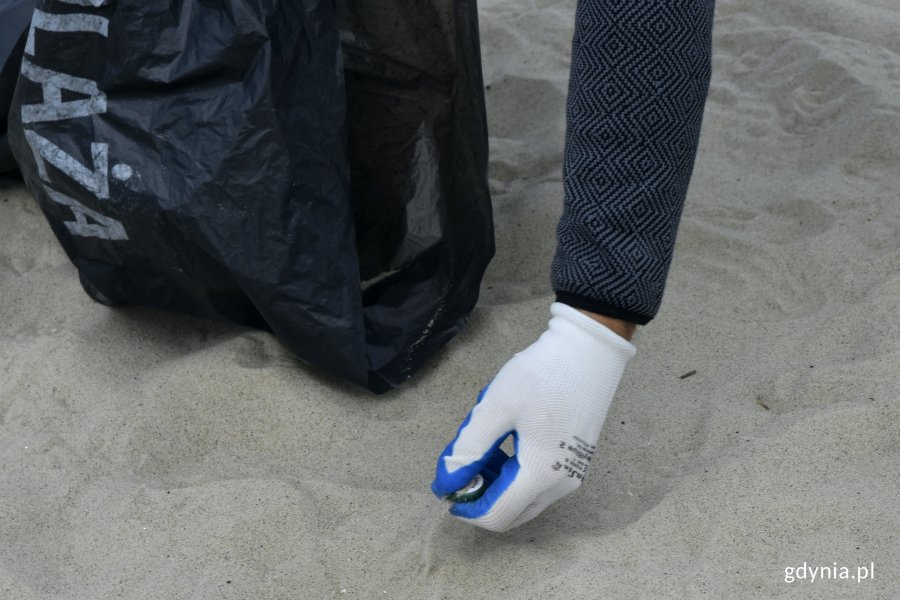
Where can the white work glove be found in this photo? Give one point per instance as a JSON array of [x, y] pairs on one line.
[[552, 398]]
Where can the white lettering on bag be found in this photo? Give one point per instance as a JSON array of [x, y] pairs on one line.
[[96, 181], [94, 178], [50, 22]]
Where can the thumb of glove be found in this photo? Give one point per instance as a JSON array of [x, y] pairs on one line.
[[475, 449]]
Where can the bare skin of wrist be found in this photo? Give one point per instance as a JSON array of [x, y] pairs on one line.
[[625, 329]]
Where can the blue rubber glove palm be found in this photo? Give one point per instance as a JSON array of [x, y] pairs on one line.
[[552, 398]]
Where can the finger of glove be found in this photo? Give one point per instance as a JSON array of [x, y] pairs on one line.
[[518, 495], [543, 502], [502, 503], [489, 464], [476, 445]]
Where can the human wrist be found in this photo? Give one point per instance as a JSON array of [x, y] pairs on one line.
[[624, 329]]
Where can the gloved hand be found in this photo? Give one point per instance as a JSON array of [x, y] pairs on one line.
[[552, 398]]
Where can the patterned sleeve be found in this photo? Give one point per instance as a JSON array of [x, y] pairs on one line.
[[639, 78]]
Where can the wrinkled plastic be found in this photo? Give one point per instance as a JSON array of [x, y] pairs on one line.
[[311, 168], [14, 17]]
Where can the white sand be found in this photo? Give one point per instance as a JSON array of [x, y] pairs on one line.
[[150, 455]]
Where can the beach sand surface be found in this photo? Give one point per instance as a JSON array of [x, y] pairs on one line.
[[151, 455]]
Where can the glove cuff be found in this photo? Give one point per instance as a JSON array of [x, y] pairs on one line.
[[595, 331]]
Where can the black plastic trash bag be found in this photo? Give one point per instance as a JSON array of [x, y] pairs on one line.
[[314, 169], [14, 18]]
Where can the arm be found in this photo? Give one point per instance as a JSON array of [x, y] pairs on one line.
[[640, 73], [638, 84]]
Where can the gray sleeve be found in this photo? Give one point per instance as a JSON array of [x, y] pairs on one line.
[[639, 79]]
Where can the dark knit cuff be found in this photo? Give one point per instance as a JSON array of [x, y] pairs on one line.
[[585, 303]]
